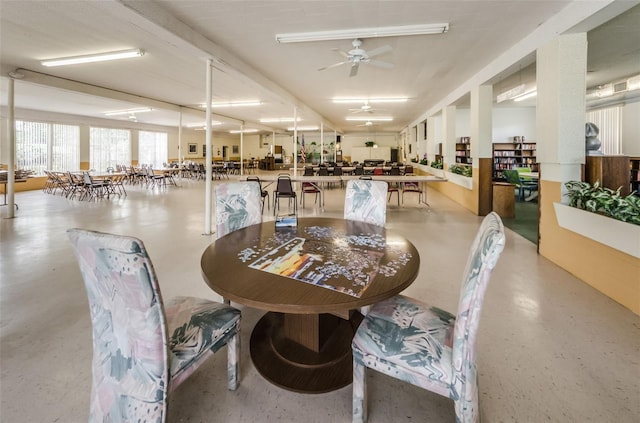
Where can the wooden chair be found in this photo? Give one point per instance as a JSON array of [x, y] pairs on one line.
[[426, 346], [144, 347]]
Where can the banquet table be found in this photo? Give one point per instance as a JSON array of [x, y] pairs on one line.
[[311, 279]]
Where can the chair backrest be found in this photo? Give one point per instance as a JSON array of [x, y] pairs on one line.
[[378, 171], [395, 170], [284, 186], [130, 352], [366, 201], [308, 171], [483, 256], [359, 170], [408, 170], [337, 171], [238, 205], [323, 171], [511, 176]]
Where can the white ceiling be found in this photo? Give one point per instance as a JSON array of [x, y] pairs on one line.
[[178, 37]]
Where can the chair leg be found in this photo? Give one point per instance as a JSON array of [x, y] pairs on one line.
[[359, 393], [233, 362]]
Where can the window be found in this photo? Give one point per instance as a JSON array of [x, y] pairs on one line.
[[44, 146], [152, 148], [108, 148], [609, 123]]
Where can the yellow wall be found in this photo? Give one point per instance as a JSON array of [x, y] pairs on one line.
[[610, 271], [31, 184], [465, 197]]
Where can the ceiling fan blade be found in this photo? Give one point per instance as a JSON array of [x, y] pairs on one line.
[[340, 52], [380, 50], [354, 69], [335, 65], [379, 64]]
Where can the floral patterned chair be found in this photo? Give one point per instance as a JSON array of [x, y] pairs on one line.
[[426, 346], [366, 201], [238, 205], [143, 347]]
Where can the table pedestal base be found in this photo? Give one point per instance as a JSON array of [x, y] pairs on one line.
[[292, 366]]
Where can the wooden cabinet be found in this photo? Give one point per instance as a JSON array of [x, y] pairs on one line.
[[609, 171], [634, 175], [511, 155], [463, 151]]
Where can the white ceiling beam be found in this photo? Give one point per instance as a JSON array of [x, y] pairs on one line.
[[153, 18]]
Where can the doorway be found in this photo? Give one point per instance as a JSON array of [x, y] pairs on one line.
[[225, 153]]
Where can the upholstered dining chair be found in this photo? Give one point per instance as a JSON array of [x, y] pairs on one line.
[[237, 205], [428, 347], [366, 201], [144, 347]]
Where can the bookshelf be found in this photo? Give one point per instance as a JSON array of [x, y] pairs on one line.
[[511, 155], [463, 151]]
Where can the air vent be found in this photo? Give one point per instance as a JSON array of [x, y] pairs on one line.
[[620, 87]]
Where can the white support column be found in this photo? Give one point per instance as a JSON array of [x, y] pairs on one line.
[[208, 182], [449, 135], [335, 145], [242, 149], [11, 154], [561, 105], [180, 159], [295, 139], [321, 142], [481, 123]]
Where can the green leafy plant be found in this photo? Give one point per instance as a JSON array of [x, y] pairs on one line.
[[460, 170], [369, 143], [605, 201], [437, 164]]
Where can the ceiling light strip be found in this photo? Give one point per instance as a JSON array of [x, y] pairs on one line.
[[100, 57], [352, 100], [370, 118], [344, 34], [245, 103], [128, 111]]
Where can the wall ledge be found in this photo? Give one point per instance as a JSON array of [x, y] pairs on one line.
[[613, 233], [463, 181]]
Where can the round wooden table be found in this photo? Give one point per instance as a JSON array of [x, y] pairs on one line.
[[303, 343]]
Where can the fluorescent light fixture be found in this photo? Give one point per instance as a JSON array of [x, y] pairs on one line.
[[100, 57], [303, 128], [370, 118], [351, 100], [278, 120], [128, 111], [202, 125], [526, 96], [347, 34], [244, 131], [244, 103]]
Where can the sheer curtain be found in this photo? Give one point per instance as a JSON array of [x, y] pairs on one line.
[[44, 146], [152, 148], [109, 147], [609, 122]]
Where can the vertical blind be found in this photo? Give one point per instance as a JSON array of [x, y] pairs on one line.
[[109, 147], [609, 123], [152, 148], [44, 146]]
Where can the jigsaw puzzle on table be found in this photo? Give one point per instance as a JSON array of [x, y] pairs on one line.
[[327, 257]]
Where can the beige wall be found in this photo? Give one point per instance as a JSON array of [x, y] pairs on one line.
[[611, 272]]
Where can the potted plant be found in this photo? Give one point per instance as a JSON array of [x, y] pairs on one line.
[[601, 214], [605, 201], [369, 143]]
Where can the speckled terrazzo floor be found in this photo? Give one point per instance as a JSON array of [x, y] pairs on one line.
[[550, 347]]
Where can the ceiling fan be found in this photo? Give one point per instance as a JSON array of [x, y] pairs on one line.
[[368, 124], [365, 108], [358, 55]]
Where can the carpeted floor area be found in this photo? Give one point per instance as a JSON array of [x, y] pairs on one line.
[[526, 221]]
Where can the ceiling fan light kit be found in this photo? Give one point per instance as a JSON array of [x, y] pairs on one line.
[[89, 58], [374, 32]]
